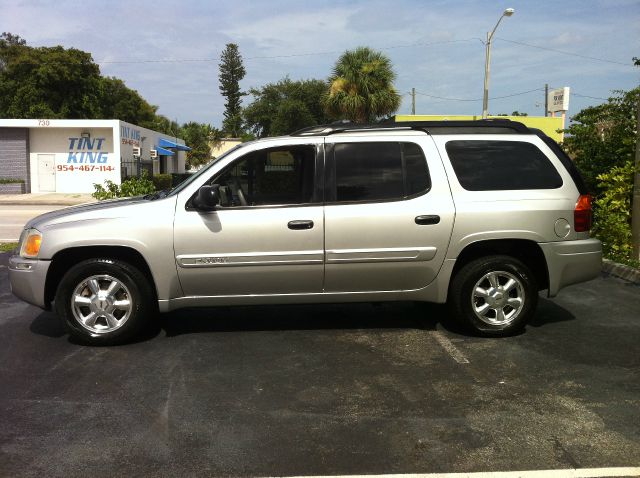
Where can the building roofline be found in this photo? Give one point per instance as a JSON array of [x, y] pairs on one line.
[[56, 123]]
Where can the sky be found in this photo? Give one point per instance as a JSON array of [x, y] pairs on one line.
[[169, 51]]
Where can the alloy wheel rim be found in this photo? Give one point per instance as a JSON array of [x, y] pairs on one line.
[[101, 304], [498, 298]]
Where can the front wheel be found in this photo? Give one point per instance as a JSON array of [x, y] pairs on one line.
[[104, 301], [493, 296]]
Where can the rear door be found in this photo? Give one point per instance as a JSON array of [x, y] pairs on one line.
[[388, 213]]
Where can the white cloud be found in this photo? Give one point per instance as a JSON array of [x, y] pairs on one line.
[[191, 29]]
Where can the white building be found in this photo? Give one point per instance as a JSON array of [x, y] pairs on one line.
[[69, 156], [218, 148]]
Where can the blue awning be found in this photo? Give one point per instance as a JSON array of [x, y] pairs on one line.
[[165, 143], [164, 152]]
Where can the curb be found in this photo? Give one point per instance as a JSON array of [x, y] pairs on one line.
[[620, 270], [45, 199], [42, 203]]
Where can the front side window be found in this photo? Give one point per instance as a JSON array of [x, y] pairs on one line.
[[275, 176], [501, 165], [379, 171]]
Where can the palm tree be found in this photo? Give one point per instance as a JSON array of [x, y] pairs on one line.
[[361, 87]]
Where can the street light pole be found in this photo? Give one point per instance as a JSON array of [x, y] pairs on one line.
[[487, 62]]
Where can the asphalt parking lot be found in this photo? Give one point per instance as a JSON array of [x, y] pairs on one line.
[[324, 390]]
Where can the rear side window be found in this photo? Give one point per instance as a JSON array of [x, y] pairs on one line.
[[501, 165], [379, 171]]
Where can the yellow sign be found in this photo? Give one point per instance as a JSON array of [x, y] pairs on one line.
[[551, 126]]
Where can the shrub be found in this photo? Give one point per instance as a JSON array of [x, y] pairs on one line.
[[11, 181], [612, 212], [137, 186], [129, 188], [162, 181], [111, 191]]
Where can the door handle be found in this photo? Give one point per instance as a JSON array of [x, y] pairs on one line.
[[300, 224], [427, 219]]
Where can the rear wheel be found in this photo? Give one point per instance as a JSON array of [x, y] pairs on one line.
[[104, 301], [493, 296]]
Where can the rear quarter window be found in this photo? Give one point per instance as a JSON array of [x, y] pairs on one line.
[[501, 165]]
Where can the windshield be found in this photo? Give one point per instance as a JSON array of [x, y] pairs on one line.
[[204, 170]]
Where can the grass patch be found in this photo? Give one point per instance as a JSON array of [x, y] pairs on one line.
[[8, 246]]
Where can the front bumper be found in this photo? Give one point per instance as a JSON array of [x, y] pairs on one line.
[[571, 262], [27, 278]]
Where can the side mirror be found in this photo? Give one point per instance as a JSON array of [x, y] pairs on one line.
[[207, 198]]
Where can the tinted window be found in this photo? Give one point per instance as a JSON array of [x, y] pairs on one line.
[[379, 171], [269, 177], [417, 174], [501, 165]]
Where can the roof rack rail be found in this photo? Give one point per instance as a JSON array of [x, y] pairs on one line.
[[491, 126]]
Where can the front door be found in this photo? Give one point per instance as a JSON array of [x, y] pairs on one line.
[[267, 235], [389, 214], [46, 173]]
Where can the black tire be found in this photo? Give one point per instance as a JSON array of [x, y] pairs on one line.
[[481, 307], [125, 321]]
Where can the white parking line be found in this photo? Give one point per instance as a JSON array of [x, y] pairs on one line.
[[451, 349], [569, 473]]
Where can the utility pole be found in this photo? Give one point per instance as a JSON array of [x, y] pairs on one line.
[[635, 206], [546, 99], [413, 101]]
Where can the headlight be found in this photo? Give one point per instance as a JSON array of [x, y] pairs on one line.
[[30, 245]]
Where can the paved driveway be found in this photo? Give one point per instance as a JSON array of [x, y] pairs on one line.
[[331, 389]]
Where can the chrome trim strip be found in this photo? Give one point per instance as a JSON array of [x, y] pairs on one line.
[[392, 254], [250, 259]]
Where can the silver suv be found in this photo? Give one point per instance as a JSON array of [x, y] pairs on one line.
[[481, 215]]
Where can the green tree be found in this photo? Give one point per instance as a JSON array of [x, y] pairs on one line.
[[602, 137], [12, 39], [286, 106], [46, 82], [361, 87], [602, 140], [163, 125], [230, 74], [66, 83], [515, 113], [117, 101], [197, 136]]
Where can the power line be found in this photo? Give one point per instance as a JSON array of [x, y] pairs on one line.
[[591, 97], [564, 52], [273, 57], [391, 47], [333, 52], [478, 99]]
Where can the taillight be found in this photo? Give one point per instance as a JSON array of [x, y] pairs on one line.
[[582, 214]]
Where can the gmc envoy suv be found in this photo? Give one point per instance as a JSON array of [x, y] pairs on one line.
[[481, 215]]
